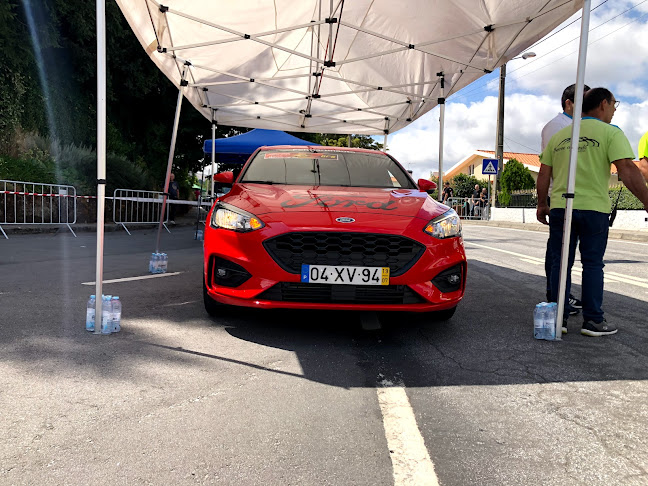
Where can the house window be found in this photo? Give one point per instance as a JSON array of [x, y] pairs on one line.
[[471, 169]]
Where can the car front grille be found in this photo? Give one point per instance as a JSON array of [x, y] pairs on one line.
[[291, 250], [341, 294]]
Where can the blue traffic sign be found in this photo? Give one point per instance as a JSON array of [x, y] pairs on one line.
[[490, 166]]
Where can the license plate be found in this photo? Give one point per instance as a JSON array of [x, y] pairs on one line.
[[340, 275]]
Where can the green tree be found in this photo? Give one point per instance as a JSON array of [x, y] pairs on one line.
[[463, 185], [516, 176]]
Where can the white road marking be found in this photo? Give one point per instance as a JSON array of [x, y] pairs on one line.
[[610, 277], [616, 240], [411, 462], [130, 279]]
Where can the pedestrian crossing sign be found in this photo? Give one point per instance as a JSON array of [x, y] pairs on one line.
[[490, 166]]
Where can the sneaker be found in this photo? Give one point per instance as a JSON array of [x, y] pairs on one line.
[[573, 311], [591, 328], [574, 302], [564, 326]]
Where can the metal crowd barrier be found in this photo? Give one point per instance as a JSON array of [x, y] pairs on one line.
[[33, 203], [465, 208], [132, 206]]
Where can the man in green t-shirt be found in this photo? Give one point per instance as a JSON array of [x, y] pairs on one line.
[[600, 145], [643, 155]]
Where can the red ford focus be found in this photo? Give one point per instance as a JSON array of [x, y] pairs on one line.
[[331, 228]]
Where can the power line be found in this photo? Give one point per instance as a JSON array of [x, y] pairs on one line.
[[481, 87], [526, 65]]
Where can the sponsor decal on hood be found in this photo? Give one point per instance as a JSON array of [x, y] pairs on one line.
[[261, 199]]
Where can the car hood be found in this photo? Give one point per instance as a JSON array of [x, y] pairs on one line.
[[263, 199]]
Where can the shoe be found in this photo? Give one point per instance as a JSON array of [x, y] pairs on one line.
[[574, 302], [573, 311], [564, 326], [591, 328], [172, 222]]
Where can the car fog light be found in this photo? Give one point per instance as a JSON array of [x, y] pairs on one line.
[[449, 280]]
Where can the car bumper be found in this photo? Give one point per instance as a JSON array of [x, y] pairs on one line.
[[246, 250]]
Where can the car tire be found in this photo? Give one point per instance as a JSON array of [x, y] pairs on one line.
[[213, 308], [445, 314]]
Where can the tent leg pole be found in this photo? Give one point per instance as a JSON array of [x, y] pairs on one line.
[[441, 127], [213, 155], [170, 163], [573, 162], [101, 157]]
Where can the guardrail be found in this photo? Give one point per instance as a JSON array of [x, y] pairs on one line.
[[33, 203], [132, 206], [466, 209]]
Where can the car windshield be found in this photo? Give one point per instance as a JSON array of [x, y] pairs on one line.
[[326, 168]]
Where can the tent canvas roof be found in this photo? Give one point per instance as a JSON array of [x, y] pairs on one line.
[[361, 66]]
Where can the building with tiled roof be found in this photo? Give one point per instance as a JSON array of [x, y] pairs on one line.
[[472, 165]]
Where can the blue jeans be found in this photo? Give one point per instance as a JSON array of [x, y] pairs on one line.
[[591, 227]]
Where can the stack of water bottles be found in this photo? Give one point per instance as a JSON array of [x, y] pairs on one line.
[[111, 309], [544, 321], [158, 263]]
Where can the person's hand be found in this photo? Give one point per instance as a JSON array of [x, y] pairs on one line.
[[542, 213]]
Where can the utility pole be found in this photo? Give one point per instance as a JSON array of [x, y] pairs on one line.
[[499, 142]]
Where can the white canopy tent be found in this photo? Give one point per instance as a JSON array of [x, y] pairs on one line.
[[362, 66]]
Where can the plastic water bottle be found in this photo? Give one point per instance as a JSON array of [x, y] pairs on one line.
[[539, 313], [106, 314], [165, 262], [116, 314], [90, 313], [152, 263], [551, 314]]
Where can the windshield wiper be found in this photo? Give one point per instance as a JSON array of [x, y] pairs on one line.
[[259, 182]]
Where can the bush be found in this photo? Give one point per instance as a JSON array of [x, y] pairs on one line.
[[627, 200]]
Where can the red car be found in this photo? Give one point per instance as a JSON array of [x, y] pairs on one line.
[[331, 228]]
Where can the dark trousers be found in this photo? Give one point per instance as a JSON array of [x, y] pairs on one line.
[[591, 228], [172, 210]]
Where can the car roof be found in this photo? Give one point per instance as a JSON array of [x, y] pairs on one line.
[[320, 148]]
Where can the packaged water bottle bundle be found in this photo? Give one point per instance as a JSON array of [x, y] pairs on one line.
[[110, 314], [158, 263], [544, 321]]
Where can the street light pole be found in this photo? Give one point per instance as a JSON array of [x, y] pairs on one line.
[[499, 141]]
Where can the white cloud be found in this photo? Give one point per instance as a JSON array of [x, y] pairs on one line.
[[617, 59]]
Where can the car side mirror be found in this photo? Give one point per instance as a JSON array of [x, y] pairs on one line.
[[224, 177], [425, 185]]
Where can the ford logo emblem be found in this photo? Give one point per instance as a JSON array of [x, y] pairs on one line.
[[345, 220]]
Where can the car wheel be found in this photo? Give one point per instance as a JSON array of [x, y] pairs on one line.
[[213, 308], [446, 314]]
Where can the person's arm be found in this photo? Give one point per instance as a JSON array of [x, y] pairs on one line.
[[643, 167], [544, 178], [633, 179]]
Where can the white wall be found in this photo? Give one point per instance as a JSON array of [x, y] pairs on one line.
[[628, 220]]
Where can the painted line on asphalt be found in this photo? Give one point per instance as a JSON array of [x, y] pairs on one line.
[[611, 238], [411, 461], [130, 279], [610, 277]]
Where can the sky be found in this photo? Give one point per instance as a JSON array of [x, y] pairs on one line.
[[617, 59]]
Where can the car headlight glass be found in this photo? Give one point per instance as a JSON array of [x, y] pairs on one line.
[[446, 225], [235, 219]]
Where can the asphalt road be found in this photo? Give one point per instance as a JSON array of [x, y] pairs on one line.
[[303, 398]]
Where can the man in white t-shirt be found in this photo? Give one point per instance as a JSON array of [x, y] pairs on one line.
[[557, 123]]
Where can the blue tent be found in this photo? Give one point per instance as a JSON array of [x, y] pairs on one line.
[[236, 150]]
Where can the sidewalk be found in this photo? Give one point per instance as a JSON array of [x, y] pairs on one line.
[[628, 235]]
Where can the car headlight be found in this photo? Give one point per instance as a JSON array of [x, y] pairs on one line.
[[446, 225], [232, 218]]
